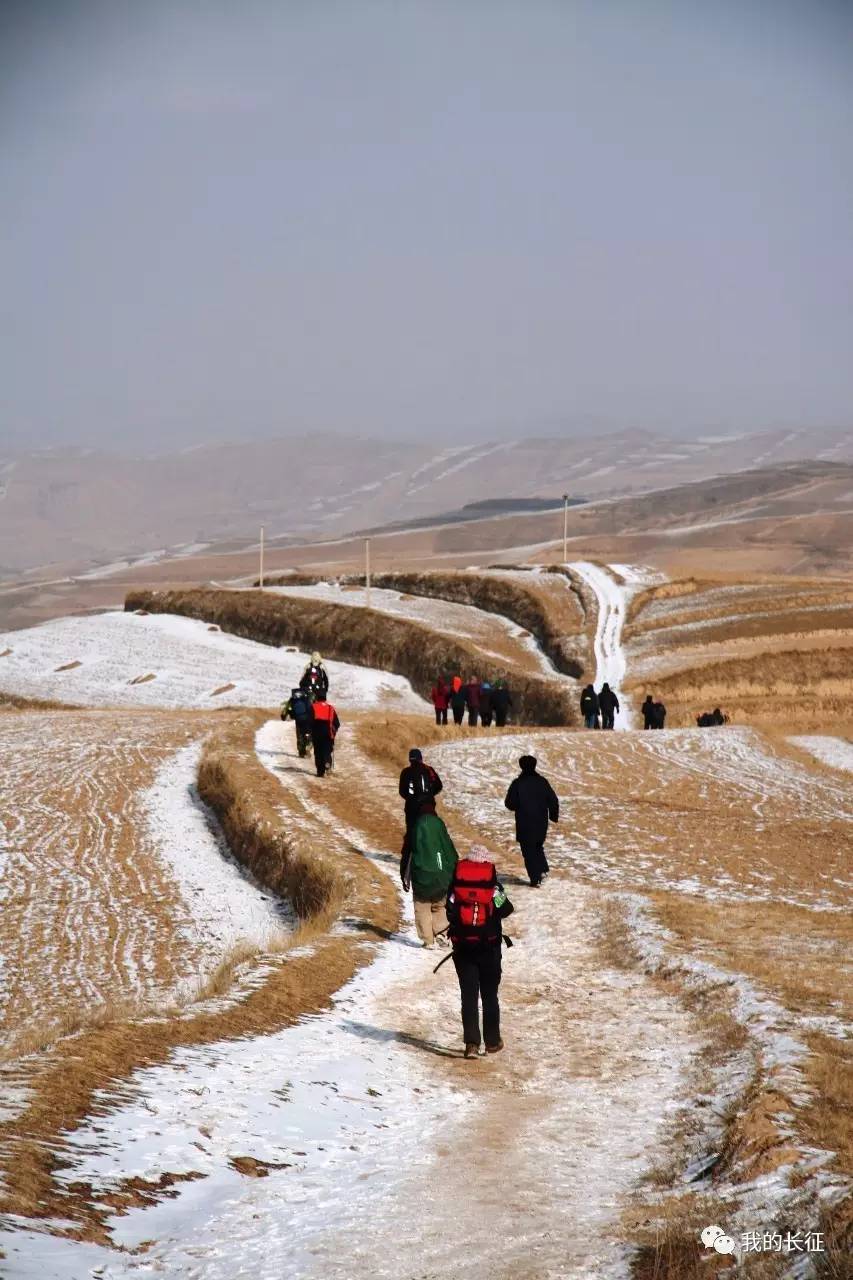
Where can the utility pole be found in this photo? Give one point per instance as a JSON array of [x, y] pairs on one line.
[[367, 569], [261, 573], [565, 528]]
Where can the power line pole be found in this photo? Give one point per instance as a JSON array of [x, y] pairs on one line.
[[261, 572], [565, 528], [367, 569]]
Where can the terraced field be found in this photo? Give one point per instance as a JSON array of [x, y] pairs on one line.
[[771, 651]]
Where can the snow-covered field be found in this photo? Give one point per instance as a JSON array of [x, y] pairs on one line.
[[191, 666], [368, 1122]]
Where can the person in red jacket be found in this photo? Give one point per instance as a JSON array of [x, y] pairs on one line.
[[472, 699], [324, 727], [440, 700]]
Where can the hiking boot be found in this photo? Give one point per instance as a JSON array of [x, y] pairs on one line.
[[495, 1048], [536, 884], [442, 940], [472, 1051]]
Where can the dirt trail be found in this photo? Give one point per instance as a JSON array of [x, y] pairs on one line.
[[91, 919]]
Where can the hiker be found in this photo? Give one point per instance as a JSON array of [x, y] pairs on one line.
[[501, 701], [533, 801], [486, 704], [717, 717], [457, 699], [418, 781], [608, 704], [427, 869], [315, 676], [298, 709], [472, 700], [476, 905], [590, 707], [324, 726], [440, 699], [648, 710], [659, 712]]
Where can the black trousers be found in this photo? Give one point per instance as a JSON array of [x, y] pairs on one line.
[[473, 714], [458, 713], [322, 749], [479, 972], [534, 859], [486, 719], [607, 719], [500, 716], [441, 715]]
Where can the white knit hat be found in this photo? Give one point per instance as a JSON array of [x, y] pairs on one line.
[[479, 853]]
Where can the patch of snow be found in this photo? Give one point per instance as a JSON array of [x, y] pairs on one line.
[[835, 752], [225, 907], [609, 655], [188, 661]]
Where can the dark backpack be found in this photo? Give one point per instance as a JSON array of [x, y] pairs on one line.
[[471, 909], [300, 706], [420, 782]]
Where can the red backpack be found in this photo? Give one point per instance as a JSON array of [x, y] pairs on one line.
[[471, 904]]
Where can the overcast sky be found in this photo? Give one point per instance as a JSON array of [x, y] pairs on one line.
[[473, 219]]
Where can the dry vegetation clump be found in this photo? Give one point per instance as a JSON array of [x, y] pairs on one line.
[[246, 799], [351, 634], [809, 687], [13, 702]]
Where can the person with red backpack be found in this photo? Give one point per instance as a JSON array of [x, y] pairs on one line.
[[324, 726], [476, 905]]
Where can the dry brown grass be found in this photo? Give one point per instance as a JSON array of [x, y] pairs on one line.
[[350, 634], [13, 702], [795, 687]]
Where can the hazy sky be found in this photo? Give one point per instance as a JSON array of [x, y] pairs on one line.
[[223, 220]]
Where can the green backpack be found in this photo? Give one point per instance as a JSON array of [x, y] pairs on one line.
[[433, 859]]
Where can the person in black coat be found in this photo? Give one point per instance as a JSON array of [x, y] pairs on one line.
[[609, 704], [590, 707], [659, 711], [648, 710], [533, 801], [501, 701]]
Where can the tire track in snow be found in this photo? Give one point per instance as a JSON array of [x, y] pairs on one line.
[[610, 662]]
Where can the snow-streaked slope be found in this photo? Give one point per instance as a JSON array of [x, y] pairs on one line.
[[495, 636], [225, 907], [188, 660], [835, 752], [367, 1111]]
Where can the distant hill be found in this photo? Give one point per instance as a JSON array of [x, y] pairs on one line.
[[76, 509]]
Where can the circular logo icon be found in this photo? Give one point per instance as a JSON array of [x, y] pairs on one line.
[[710, 1234]]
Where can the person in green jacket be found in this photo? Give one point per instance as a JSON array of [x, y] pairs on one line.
[[427, 867]]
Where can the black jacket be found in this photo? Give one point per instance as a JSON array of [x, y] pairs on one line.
[[533, 801], [589, 702], [315, 677], [501, 698], [607, 700], [412, 793]]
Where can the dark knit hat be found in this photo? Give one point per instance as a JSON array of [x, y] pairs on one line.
[[415, 755], [527, 764]]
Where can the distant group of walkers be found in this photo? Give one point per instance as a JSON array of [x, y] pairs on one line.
[[317, 722], [459, 902], [710, 718], [483, 700], [599, 709]]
